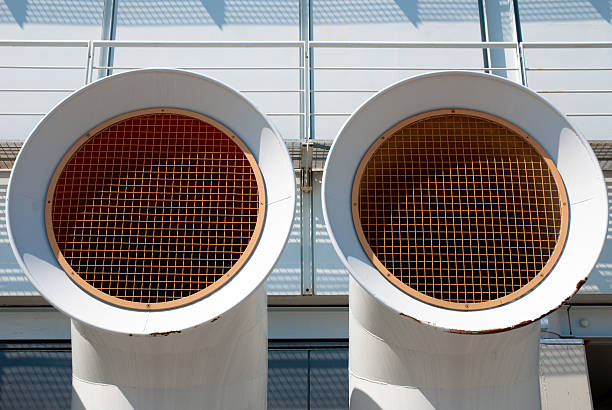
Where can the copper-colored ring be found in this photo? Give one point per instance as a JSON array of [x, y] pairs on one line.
[[563, 207], [180, 301]]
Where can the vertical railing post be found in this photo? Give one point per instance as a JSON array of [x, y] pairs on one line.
[[88, 63], [523, 62]]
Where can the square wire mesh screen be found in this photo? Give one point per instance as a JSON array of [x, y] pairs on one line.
[[459, 208], [156, 207]]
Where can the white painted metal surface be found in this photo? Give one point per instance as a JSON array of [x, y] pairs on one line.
[[284, 322], [221, 364], [398, 363], [210, 353], [490, 94], [589, 322], [33, 323], [408, 353], [564, 377], [106, 99], [308, 322]]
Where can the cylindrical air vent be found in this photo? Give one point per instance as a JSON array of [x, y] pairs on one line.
[[462, 204], [473, 204], [155, 209], [149, 207]]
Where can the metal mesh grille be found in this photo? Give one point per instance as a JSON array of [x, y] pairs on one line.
[[459, 208], [155, 208]]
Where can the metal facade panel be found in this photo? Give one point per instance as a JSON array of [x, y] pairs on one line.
[[564, 379]]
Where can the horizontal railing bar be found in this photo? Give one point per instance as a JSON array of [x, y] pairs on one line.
[[44, 43], [330, 114], [568, 68], [203, 44], [589, 114], [22, 113], [36, 90], [418, 68], [573, 91], [409, 44], [313, 44], [204, 68], [271, 91], [69, 90], [284, 114], [572, 44], [326, 114], [344, 91], [43, 67]]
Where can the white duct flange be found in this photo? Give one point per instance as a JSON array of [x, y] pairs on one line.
[[109, 98], [507, 100]]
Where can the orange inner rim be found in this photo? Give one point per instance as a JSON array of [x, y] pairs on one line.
[[155, 209], [460, 209]]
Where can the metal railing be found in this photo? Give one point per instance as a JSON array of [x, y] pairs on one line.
[[414, 45], [46, 44], [94, 63], [305, 87], [597, 45]]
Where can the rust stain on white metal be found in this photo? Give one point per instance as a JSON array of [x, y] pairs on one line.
[[155, 334], [499, 330]]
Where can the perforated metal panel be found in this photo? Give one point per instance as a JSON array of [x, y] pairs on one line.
[[460, 209], [155, 209]]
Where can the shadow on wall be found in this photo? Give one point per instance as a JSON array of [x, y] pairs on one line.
[[286, 12], [600, 278], [360, 400], [286, 277], [565, 10], [393, 11], [77, 12], [18, 10], [562, 360], [216, 10], [35, 379]]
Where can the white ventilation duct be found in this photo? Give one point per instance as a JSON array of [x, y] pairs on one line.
[[150, 207], [466, 207]]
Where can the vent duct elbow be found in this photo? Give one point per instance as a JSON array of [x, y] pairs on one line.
[[474, 207], [155, 203]]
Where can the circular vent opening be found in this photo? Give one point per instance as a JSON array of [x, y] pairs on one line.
[[460, 209], [155, 209]]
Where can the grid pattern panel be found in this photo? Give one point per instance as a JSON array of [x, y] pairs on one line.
[[460, 208], [155, 207]]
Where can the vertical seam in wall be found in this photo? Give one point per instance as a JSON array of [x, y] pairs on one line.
[[310, 137], [306, 196], [569, 320]]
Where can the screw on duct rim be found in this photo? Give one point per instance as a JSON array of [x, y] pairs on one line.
[[130, 159], [437, 235]]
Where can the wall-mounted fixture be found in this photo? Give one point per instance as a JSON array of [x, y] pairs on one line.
[[150, 207], [466, 207]]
